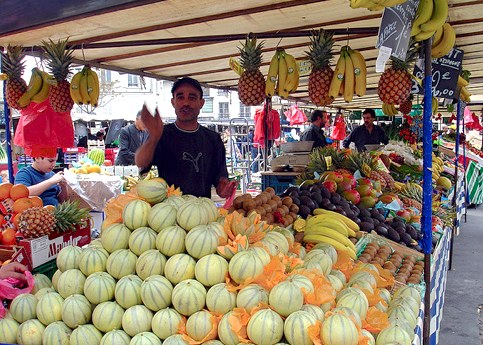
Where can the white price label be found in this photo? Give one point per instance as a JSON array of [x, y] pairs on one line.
[[384, 55]]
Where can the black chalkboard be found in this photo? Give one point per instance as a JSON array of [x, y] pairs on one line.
[[114, 131], [445, 72], [395, 28]]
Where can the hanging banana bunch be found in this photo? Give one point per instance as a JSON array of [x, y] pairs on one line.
[[84, 87], [463, 91], [38, 87], [375, 5], [283, 75], [389, 109]]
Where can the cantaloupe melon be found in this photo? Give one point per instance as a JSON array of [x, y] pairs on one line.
[[156, 292], [189, 296], [166, 322], [219, 299], [128, 291]]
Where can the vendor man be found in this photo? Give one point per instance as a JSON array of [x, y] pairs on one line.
[[186, 154], [366, 134], [41, 180], [315, 133]]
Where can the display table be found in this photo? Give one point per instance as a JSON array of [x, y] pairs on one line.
[[278, 180]]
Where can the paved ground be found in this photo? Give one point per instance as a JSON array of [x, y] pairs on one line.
[[462, 322]]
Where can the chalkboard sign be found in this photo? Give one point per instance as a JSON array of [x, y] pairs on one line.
[[445, 72], [114, 131], [395, 28]]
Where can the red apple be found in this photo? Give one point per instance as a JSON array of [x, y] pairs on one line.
[[330, 185], [352, 195], [364, 189]]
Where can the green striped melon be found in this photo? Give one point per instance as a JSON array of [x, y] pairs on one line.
[[403, 312], [43, 291], [348, 290], [315, 311], [57, 333], [265, 327], [99, 287], [218, 229], [369, 336], [55, 279], [170, 241], [288, 234], [351, 314], [115, 337], [329, 249], [175, 200], [296, 328], [23, 307], [385, 295], [161, 216], [335, 282], [394, 335], [191, 214], [97, 156], [156, 292], [93, 259], [250, 296], [286, 297], [128, 291], [339, 275], [408, 291], [179, 267], [244, 265], [49, 308], [121, 262], [406, 301], [338, 329], [200, 324], [318, 259], [68, 258], [115, 236], [355, 301], [175, 339], [96, 243], [107, 316], [278, 240], [41, 281], [166, 322], [8, 330], [201, 241], [152, 190], [219, 299], [400, 322], [363, 275], [150, 263], [211, 269], [304, 283], [225, 331], [30, 332], [145, 338], [211, 209], [135, 214], [262, 254], [188, 297], [137, 319], [85, 334], [142, 239], [362, 285], [76, 311]]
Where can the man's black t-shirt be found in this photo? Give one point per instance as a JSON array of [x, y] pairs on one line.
[[193, 161]]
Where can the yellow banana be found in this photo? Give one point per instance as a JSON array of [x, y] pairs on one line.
[[334, 243], [360, 72], [384, 108], [438, 35], [462, 81], [282, 75], [84, 88], [349, 222], [338, 77], [292, 73], [324, 231], [393, 110], [272, 75], [438, 17], [392, 3], [424, 35], [43, 94], [434, 105], [328, 222], [361, 3], [34, 86], [465, 94], [75, 88], [447, 42], [349, 78], [423, 14], [93, 86]]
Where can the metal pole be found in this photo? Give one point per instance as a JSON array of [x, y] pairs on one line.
[[464, 162], [426, 214], [267, 110]]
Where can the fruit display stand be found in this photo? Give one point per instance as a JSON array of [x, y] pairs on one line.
[[279, 181]]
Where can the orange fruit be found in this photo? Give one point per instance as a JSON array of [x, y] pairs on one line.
[[51, 208], [8, 236], [19, 191], [36, 201], [5, 190], [21, 204]]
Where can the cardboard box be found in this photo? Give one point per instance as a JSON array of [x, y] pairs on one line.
[[43, 249], [15, 254]]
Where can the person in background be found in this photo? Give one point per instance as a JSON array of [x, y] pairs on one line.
[[186, 154], [315, 133], [13, 270], [83, 140], [100, 134], [41, 180], [366, 134], [131, 138]]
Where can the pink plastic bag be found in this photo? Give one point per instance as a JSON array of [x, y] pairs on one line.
[[8, 290]]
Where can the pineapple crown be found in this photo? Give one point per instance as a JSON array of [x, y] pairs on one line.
[[251, 54], [320, 51], [59, 56], [12, 63], [68, 214]]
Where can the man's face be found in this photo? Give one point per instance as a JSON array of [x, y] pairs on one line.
[[187, 103], [325, 119], [140, 124], [368, 119], [46, 164]]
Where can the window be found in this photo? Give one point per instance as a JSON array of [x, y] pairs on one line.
[[206, 92], [222, 92], [245, 111], [132, 80], [107, 76], [224, 112], [208, 107]]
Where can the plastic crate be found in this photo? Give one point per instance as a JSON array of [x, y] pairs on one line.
[[278, 182], [48, 269]]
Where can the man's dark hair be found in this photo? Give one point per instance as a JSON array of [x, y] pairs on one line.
[[370, 111], [316, 114], [138, 115], [187, 80]]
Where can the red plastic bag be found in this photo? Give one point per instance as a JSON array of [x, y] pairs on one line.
[[272, 122], [8, 290], [339, 132], [295, 115], [41, 130]]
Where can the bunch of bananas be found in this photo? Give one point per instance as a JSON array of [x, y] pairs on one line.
[[389, 109], [375, 5], [464, 93], [283, 75], [332, 228], [438, 165], [38, 88], [84, 87], [349, 75]]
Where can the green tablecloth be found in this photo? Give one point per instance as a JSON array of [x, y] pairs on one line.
[[474, 180]]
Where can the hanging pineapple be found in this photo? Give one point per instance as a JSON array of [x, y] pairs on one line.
[[407, 105], [13, 67], [395, 84], [60, 59], [251, 86], [320, 55]]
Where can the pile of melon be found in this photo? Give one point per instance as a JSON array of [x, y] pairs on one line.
[[161, 277]]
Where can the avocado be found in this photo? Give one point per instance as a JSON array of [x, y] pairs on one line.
[[307, 201], [366, 226], [381, 230], [294, 194], [417, 247], [400, 231], [305, 193], [406, 238], [355, 209], [393, 235], [367, 219], [375, 221], [340, 210], [335, 198], [412, 232], [304, 211], [291, 189], [324, 192], [364, 212], [314, 189], [317, 197]]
